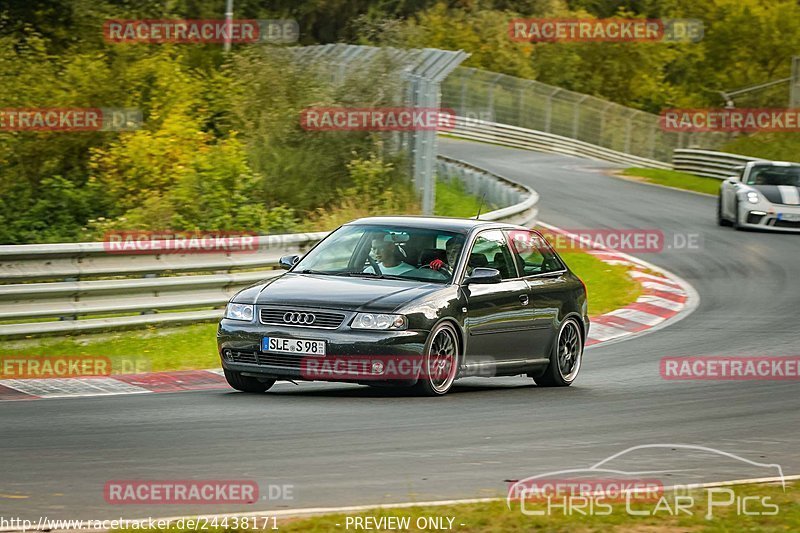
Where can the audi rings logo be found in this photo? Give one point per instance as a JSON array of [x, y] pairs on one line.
[[299, 318]]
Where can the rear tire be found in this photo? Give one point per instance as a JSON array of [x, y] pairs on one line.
[[441, 361], [565, 358], [247, 383]]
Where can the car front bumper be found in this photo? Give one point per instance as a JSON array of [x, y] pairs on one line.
[[772, 217], [239, 348]]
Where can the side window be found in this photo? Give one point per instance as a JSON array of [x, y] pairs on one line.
[[490, 251], [533, 254]]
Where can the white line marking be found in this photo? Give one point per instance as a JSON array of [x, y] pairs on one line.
[[635, 315], [72, 387], [661, 287], [658, 301], [604, 332], [644, 275]]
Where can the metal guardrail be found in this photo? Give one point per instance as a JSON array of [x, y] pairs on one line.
[[708, 163], [79, 287], [496, 133]]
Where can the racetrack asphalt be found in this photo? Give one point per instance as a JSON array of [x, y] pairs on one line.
[[348, 445]]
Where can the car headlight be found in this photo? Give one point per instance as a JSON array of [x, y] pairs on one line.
[[378, 321], [239, 312], [752, 197]]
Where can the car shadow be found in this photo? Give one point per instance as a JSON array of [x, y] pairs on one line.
[[340, 390]]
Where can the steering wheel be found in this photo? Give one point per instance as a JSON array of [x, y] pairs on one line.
[[374, 265], [444, 270]]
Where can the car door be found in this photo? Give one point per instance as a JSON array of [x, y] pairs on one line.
[[498, 315], [549, 286]]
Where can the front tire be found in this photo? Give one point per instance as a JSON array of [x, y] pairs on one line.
[[246, 383], [736, 225], [565, 358], [440, 362], [721, 220]]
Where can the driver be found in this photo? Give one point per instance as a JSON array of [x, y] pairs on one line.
[[389, 257]]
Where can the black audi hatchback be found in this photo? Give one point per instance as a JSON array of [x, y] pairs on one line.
[[410, 301]]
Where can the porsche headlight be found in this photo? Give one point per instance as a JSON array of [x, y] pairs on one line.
[[378, 321], [752, 197], [239, 312]]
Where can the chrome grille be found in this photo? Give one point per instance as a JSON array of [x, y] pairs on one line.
[[322, 319]]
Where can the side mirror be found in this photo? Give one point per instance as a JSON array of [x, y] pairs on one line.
[[288, 261], [483, 275], [732, 179]]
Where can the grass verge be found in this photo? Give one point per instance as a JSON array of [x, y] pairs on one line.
[[152, 349], [659, 516], [676, 180], [453, 200], [609, 286]]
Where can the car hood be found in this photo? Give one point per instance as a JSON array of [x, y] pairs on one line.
[[333, 292], [779, 194]]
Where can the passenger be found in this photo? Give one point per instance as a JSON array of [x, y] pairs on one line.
[[453, 248]]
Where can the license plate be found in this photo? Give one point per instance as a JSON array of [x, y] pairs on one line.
[[789, 217], [298, 346]]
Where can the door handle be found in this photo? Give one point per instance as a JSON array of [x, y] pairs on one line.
[[524, 299]]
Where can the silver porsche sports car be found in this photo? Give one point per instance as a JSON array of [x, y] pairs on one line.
[[764, 194]]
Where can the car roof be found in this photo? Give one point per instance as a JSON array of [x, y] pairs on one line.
[[775, 163], [459, 225]]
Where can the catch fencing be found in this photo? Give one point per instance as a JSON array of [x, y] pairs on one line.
[[484, 96]]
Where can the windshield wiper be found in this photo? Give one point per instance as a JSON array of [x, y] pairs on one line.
[[318, 272], [373, 275]]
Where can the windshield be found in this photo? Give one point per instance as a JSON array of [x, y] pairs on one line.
[[382, 251], [772, 175]]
